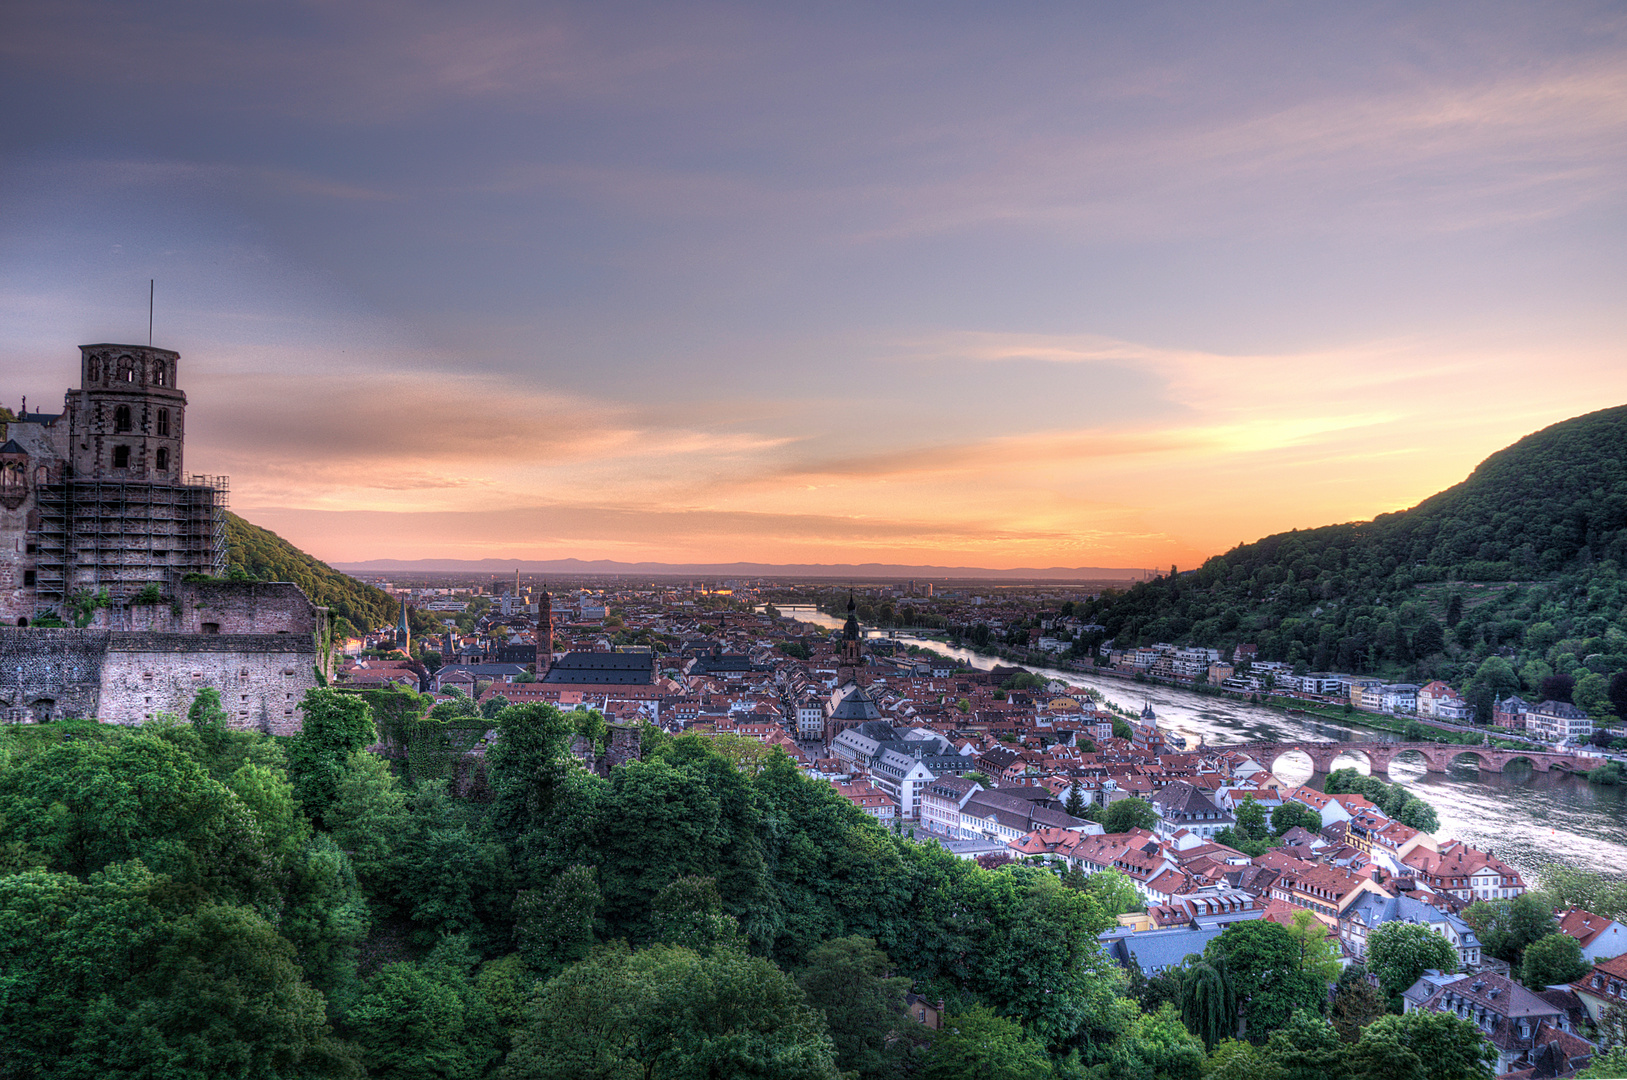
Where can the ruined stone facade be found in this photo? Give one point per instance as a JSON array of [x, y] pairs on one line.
[[95, 509], [259, 652], [95, 497]]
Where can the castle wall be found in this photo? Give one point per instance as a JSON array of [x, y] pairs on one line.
[[127, 678], [261, 677], [49, 674], [220, 607]]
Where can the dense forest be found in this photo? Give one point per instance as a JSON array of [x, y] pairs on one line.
[[262, 554], [186, 900], [1511, 578]]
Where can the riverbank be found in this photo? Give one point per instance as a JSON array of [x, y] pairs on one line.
[[1292, 706], [1530, 819]]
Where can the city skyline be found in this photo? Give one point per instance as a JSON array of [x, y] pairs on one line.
[[924, 285]]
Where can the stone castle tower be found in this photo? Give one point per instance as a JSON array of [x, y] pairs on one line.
[[95, 498], [127, 418]]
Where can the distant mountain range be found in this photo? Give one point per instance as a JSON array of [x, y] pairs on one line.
[[577, 567]]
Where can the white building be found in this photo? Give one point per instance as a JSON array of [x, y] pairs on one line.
[[1559, 722]]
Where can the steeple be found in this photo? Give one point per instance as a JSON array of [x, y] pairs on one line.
[[403, 630], [545, 630], [850, 654]]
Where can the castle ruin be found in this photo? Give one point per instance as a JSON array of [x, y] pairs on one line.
[[111, 559]]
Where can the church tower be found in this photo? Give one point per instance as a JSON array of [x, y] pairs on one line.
[[851, 654], [403, 631], [545, 632]]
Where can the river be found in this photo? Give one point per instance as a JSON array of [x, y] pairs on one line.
[[1531, 820]]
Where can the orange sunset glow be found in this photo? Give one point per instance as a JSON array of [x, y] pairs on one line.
[[959, 286]]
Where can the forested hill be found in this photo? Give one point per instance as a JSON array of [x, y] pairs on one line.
[[1520, 560], [263, 554]]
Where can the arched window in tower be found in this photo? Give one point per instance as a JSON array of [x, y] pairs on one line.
[[127, 369], [93, 372], [158, 373], [163, 421], [121, 418], [121, 457], [163, 459]]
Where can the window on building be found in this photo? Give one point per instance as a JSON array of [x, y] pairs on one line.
[[158, 375], [163, 421], [28, 578], [121, 418], [163, 459], [121, 457]]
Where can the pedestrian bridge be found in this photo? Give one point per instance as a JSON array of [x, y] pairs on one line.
[[1437, 757]]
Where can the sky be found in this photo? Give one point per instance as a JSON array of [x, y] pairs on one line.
[[1022, 284]]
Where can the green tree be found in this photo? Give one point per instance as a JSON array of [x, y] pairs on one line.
[[84, 805], [554, 925], [1608, 1065], [1264, 960], [1497, 675], [1157, 1044], [1209, 1002], [1428, 640], [209, 720], [335, 725], [1446, 1047], [1129, 813], [451, 867], [1075, 806], [368, 820], [1251, 819], [1380, 1054], [1592, 696], [1319, 952], [325, 918], [1307, 1048], [1551, 960], [1290, 814], [527, 766], [664, 1011], [1235, 1059], [1400, 952], [118, 975], [851, 982], [1506, 928], [689, 913], [1356, 1003], [979, 1044], [270, 797], [1114, 891], [425, 1022]]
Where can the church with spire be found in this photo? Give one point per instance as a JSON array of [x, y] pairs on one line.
[[851, 654]]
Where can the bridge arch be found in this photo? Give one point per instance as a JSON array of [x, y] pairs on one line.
[[1412, 755], [1482, 761], [1532, 762], [1277, 753], [1361, 758]]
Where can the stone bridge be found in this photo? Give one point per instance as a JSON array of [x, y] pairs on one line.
[[1438, 757]]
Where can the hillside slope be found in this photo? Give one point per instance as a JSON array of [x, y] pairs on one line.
[[1520, 561], [263, 554]]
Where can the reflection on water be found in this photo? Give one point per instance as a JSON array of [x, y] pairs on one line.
[[1527, 818]]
